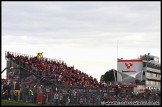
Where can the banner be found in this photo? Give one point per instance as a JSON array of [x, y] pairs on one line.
[[132, 68]]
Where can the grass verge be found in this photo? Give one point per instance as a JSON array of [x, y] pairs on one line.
[[16, 103]]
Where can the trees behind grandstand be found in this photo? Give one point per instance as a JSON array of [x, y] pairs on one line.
[[109, 76]]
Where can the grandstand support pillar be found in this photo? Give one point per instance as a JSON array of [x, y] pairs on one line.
[[93, 98], [42, 96], [70, 97], [59, 92], [65, 98], [87, 101], [47, 98], [18, 96]]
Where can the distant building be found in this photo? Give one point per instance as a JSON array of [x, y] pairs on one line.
[[152, 71], [146, 70]]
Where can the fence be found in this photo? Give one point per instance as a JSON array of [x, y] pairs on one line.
[[52, 95], [53, 92]]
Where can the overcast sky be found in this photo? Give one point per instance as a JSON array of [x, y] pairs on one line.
[[83, 34]]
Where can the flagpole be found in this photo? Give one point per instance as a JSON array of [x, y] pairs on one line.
[[117, 58], [117, 48]]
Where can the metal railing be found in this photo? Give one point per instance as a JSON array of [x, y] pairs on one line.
[[57, 94]]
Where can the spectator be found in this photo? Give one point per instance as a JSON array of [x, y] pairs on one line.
[[67, 78], [30, 95]]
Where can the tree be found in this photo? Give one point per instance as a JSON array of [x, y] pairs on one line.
[[109, 76], [102, 78]]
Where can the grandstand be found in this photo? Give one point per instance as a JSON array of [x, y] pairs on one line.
[[51, 69], [48, 72], [49, 81]]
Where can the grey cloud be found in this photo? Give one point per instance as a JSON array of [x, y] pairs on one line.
[[83, 24], [99, 15], [126, 40], [70, 24]]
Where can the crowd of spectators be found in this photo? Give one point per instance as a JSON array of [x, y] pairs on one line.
[[55, 71], [70, 86], [147, 97]]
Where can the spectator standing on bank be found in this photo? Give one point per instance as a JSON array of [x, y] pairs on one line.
[[31, 94]]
